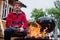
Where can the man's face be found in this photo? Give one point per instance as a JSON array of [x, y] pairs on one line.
[[17, 7]]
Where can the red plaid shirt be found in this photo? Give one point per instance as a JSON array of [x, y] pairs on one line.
[[13, 17]]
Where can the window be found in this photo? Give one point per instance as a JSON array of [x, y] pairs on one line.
[[5, 12], [10, 9]]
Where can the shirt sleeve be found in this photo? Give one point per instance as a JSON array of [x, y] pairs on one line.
[[8, 20], [25, 25]]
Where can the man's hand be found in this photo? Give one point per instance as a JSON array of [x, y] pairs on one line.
[[21, 29], [16, 26]]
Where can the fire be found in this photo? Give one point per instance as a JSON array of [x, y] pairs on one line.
[[34, 31]]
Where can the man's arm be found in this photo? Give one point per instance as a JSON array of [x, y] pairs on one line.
[[8, 20], [25, 25]]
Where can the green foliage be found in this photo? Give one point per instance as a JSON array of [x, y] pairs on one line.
[[31, 23], [36, 13], [54, 12]]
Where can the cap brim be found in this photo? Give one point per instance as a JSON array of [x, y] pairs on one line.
[[22, 5]]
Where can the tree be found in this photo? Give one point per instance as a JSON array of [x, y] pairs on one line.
[[54, 12], [36, 13], [57, 5]]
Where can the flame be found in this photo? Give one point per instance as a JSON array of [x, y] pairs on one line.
[[34, 31]]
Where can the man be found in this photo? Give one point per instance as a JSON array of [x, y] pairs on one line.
[[16, 21]]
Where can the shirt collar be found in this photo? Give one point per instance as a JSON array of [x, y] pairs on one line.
[[18, 12]]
